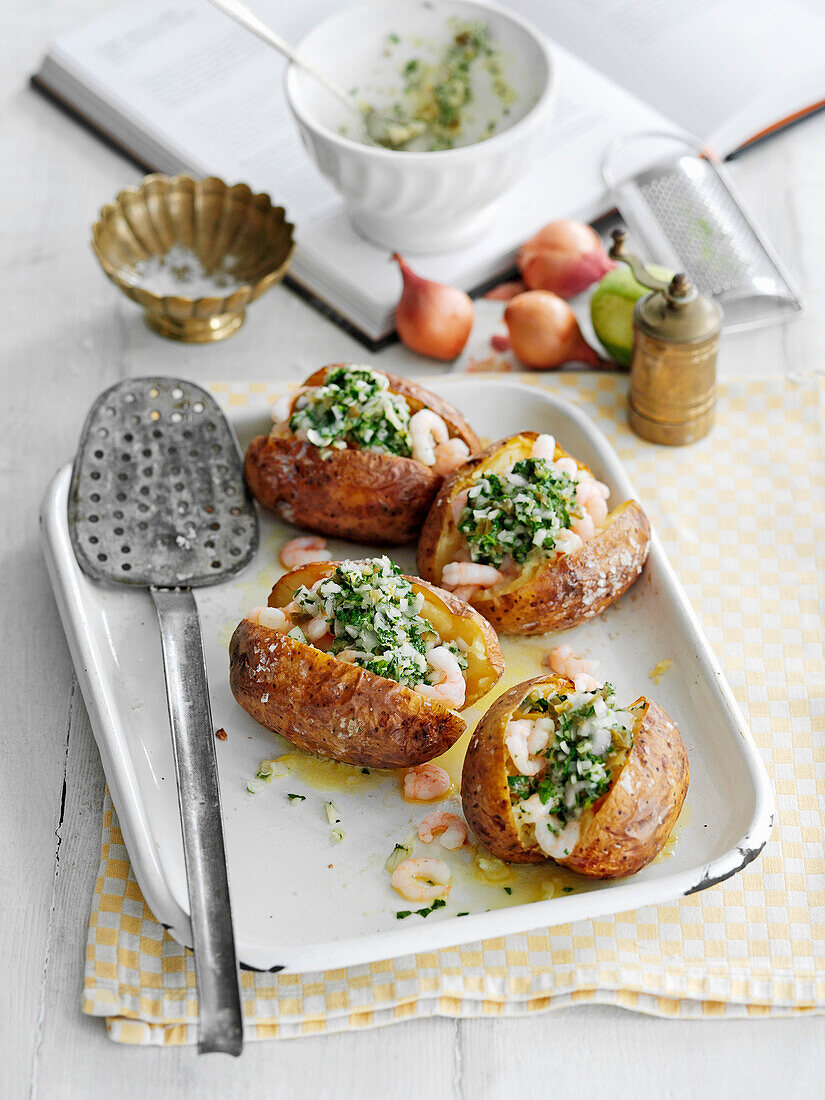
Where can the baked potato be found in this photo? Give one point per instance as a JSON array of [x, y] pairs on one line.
[[609, 821], [361, 691], [357, 454], [536, 523]]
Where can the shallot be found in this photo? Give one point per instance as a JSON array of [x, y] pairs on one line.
[[564, 257], [431, 318], [544, 332]]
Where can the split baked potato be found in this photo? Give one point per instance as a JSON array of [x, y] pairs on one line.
[[340, 459], [548, 588], [328, 703], [625, 800]]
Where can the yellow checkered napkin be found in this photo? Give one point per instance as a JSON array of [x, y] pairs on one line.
[[742, 516]]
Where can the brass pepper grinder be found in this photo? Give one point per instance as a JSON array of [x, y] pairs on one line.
[[673, 369]]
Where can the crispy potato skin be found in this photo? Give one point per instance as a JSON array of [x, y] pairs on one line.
[[332, 708], [350, 494], [559, 594], [628, 827], [338, 710]]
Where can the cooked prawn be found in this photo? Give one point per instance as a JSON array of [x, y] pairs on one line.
[[544, 447], [458, 504], [465, 592], [452, 688], [449, 456], [456, 574], [303, 550], [421, 879], [425, 783], [525, 740], [569, 466], [282, 408], [590, 497], [273, 618], [316, 629], [564, 662], [584, 527], [568, 542], [451, 829], [426, 430], [556, 844]]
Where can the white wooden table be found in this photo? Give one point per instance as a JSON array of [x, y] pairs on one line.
[[68, 334]]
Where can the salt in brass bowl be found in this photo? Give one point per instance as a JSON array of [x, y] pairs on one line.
[[193, 252]]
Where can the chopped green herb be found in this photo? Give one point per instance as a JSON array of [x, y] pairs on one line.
[[464, 914], [439, 903], [365, 771], [567, 889], [507, 889], [403, 913], [297, 797], [374, 618], [354, 407], [520, 513], [584, 729]]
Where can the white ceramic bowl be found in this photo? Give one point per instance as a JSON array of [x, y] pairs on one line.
[[418, 201]]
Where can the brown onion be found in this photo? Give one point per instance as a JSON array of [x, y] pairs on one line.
[[431, 318], [564, 257], [544, 332]]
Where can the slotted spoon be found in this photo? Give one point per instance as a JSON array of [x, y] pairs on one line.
[[158, 501]]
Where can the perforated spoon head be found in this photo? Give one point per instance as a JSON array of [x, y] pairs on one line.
[[157, 495]]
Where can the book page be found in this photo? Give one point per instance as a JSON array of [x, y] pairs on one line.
[[205, 89], [722, 69]]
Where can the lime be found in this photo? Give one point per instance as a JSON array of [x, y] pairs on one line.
[[611, 309]]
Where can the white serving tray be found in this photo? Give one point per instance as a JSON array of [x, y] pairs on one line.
[[302, 902]]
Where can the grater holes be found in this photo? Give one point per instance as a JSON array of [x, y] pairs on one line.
[[214, 526], [129, 398], [126, 567], [102, 557], [93, 518], [210, 544], [157, 434], [234, 551], [234, 510], [95, 475], [147, 452], [209, 509], [198, 407], [176, 417], [154, 392], [125, 458], [98, 454], [110, 410], [128, 437], [120, 496], [118, 530], [103, 433], [95, 497], [117, 515], [154, 415], [123, 477], [94, 540], [216, 564], [125, 549], [144, 490], [143, 507], [177, 393]]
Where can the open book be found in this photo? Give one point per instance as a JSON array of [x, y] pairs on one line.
[[182, 88]]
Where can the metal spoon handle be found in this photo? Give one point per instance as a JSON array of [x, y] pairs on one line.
[[241, 14], [220, 1026]]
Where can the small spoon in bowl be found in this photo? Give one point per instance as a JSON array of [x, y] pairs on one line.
[[390, 131]]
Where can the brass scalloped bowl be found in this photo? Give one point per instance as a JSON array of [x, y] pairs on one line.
[[229, 229]]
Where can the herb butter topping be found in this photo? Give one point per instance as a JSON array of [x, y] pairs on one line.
[[583, 731], [518, 513], [373, 616], [354, 407]]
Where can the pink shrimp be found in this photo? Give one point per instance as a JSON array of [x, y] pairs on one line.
[[569, 466], [590, 497], [544, 447], [584, 527], [458, 505], [427, 429], [449, 456], [451, 690], [451, 829], [564, 662], [456, 574], [303, 550], [425, 783], [421, 879], [273, 618], [465, 592]]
